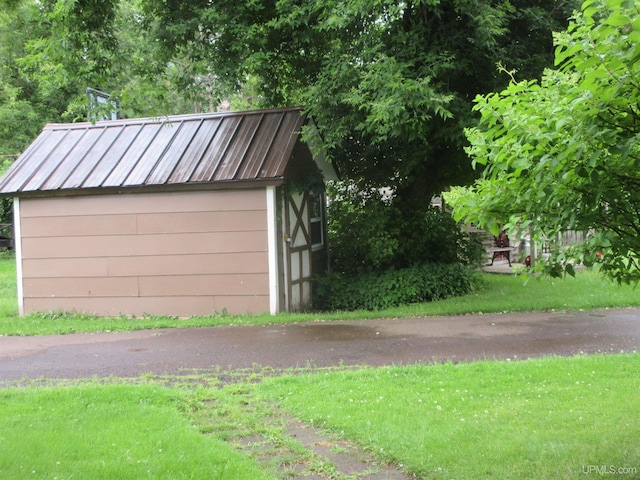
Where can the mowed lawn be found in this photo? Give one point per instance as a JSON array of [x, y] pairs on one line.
[[109, 432], [561, 418], [553, 418]]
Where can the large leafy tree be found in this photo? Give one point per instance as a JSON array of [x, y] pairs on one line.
[[564, 153], [52, 50], [389, 84]]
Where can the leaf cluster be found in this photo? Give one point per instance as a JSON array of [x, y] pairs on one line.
[[564, 153], [369, 232], [389, 84], [377, 291]]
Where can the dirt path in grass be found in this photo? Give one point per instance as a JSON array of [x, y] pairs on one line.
[[322, 344]]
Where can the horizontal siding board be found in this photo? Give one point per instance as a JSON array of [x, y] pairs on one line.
[[145, 224], [247, 220], [65, 267], [180, 285], [165, 244], [116, 306], [173, 306], [220, 200], [208, 264], [79, 226], [81, 287]]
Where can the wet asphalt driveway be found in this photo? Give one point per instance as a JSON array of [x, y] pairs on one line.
[[369, 342]]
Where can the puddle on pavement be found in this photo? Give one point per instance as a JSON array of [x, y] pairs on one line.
[[333, 333]]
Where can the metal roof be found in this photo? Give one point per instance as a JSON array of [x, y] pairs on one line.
[[187, 150]]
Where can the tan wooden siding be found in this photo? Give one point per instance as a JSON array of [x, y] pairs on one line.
[[188, 253], [139, 306]]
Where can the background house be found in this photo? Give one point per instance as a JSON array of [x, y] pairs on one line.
[[184, 215]]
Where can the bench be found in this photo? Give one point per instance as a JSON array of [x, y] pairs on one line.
[[504, 251]]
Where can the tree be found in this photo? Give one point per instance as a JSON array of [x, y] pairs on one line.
[[389, 84], [52, 51], [564, 153]]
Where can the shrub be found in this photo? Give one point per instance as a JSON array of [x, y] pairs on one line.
[[371, 231], [377, 291]]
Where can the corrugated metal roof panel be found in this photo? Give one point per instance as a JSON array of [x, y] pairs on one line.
[[185, 149], [276, 161], [259, 147], [153, 154], [236, 153], [110, 155], [216, 151], [54, 158], [135, 151], [71, 161], [175, 153], [28, 163], [86, 166], [196, 152]]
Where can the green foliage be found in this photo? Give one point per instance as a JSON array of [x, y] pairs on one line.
[[369, 230], [388, 84], [564, 154], [53, 50], [377, 291]]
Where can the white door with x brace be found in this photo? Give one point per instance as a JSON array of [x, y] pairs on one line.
[[297, 250]]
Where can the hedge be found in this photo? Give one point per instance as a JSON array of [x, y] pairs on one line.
[[380, 290]]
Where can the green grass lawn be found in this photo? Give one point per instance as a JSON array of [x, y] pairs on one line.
[[536, 419], [560, 418], [109, 432]]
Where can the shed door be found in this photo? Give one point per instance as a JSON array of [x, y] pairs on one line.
[[298, 250]]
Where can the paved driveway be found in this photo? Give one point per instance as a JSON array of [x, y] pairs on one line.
[[370, 342]]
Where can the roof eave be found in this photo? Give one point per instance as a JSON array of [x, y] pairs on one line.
[[180, 187]]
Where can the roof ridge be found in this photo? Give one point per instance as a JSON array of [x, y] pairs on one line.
[[167, 118]]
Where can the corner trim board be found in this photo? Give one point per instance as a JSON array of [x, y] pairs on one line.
[[272, 253], [17, 235]]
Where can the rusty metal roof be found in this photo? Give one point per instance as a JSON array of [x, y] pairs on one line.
[[186, 150]]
